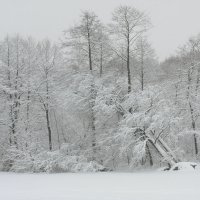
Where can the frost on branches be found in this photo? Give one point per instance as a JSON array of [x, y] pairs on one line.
[[99, 100]]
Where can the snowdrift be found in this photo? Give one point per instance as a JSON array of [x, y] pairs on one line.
[[185, 166]]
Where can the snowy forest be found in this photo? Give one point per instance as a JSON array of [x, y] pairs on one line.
[[99, 99]]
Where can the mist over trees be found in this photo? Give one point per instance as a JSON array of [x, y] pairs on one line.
[[98, 100]]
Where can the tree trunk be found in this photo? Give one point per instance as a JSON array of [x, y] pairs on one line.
[[101, 61], [149, 154], [59, 144], [142, 69], [93, 129], [49, 128], [193, 123], [16, 98], [62, 131], [90, 55], [128, 64], [194, 128], [89, 47], [94, 149], [10, 95]]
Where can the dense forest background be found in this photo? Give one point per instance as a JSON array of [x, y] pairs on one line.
[[98, 100]]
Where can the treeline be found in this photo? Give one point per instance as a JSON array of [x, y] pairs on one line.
[[98, 100]]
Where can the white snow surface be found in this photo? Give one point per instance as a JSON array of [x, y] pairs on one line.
[[186, 166], [101, 186]]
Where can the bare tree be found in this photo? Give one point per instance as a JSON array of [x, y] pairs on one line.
[[143, 53], [48, 54], [103, 52], [84, 36], [190, 57], [128, 24]]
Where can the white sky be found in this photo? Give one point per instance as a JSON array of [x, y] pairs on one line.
[[174, 21]]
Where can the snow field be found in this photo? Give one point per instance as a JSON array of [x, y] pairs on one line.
[[101, 186]]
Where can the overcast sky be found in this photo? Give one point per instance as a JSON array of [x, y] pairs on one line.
[[174, 21]]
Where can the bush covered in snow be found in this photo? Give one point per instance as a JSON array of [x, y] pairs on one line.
[[63, 160]]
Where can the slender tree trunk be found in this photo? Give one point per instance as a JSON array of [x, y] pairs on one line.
[[90, 55], [93, 96], [194, 129], [48, 128], [93, 136], [142, 68], [28, 94], [10, 95], [198, 79], [193, 123], [89, 48], [128, 159], [128, 64], [62, 131], [195, 144], [47, 113], [101, 60], [149, 154], [27, 110], [189, 84], [59, 143], [16, 98]]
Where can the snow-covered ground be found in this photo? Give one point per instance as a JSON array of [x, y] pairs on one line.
[[101, 186]]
